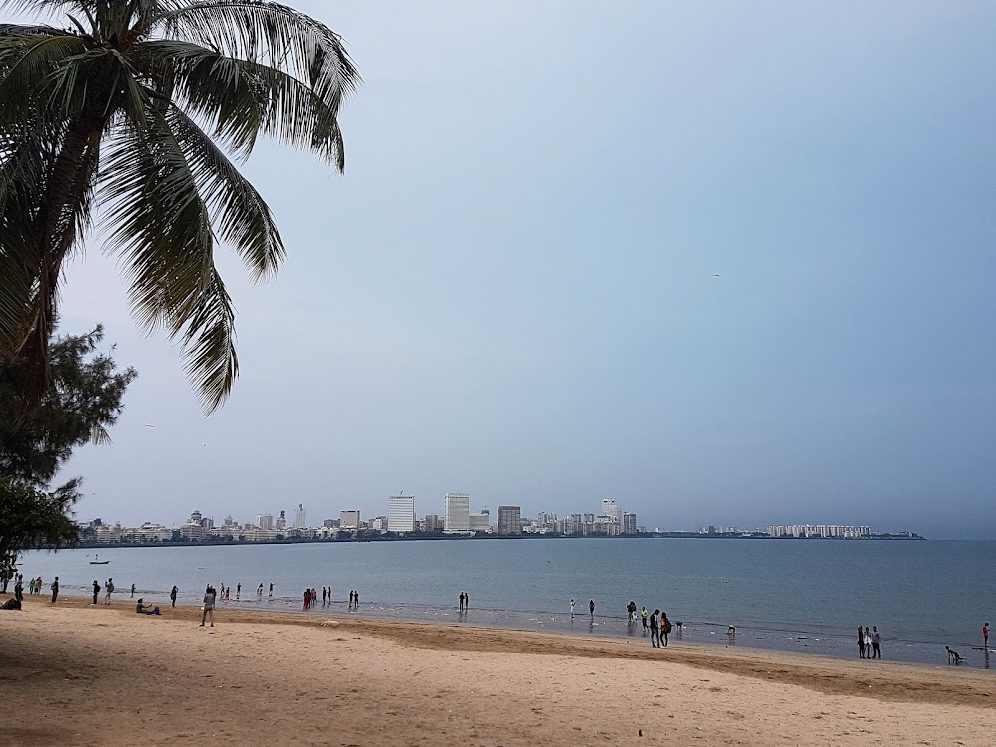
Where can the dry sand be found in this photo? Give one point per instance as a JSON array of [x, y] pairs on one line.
[[77, 675]]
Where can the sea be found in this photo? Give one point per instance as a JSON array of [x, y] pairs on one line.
[[807, 596]]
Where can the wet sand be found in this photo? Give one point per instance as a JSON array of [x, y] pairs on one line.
[[78, 675]]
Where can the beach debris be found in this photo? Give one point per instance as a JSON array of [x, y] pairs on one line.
[[330, 623]]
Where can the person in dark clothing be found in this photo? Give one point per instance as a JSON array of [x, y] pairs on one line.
[[655, 634], [591, 607], [172, 595], [96, 590], [665, 628], [861, 642], [133, 590], [55, 589], [19, 588], [876, 643]]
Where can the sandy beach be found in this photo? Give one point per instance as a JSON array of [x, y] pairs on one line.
[[78, 675]]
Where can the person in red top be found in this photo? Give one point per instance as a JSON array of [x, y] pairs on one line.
[[985, 636]]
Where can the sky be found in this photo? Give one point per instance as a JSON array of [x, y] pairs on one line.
[[512, 290]]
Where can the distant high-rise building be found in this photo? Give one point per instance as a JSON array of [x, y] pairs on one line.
[[300, 517], [349, 519], [457, 512], [629, 523], [401, 513], [432, 523], [509, 520], [611, 510], [264, 521], [480, 522]]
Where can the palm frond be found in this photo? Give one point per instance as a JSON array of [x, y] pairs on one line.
[[241, 216], [271, 35], [163, 235], [238, 99]]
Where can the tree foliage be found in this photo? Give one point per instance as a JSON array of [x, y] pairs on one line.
[[141, 106], [83, 399]]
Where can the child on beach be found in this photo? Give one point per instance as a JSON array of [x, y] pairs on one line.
[[209, 598]]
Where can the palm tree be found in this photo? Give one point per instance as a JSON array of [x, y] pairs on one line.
[[140, 107]]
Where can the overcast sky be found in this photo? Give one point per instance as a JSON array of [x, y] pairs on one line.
[[511, 291]]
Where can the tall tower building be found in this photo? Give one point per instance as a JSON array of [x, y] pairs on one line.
[[457, 511], [300, 517], [401, 513], [629, 523], [610, 509], [509, 520]]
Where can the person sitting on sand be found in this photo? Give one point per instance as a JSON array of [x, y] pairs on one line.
[[11, 604], [141, 609]]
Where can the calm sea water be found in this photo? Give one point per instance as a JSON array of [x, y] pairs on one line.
[[806, 595]]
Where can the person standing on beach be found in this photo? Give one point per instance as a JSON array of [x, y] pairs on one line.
[[985, 637], [307, 599], [868, 643], [55, 589], [461, 601], [210, 595], [644, 614], [665, 629], [591, 607], [238, 591], [271, 590], [96, 590], [356, 600], [876, 643], [655, 635], [108, 590], [19, 589], [172, 595], [861, 642], [572, 609], [259, 591], [466, 602], [133, 591]]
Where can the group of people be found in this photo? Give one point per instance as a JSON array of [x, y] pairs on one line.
[[108, 590], [464, 601], [869, 643]]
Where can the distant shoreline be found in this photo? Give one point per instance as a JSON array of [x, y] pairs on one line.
[[463, 537]]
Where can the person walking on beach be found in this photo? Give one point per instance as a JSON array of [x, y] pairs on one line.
[[985, 637], [876, 643], [172, 595], [210, 595], [591, 607], [572, 609], [19, 589], [861, 642], [271, 590], [108, 590], [655, 635], [55, 589], [133, 591], [644, 615], [259, 591], [238, 591], [665, 629]]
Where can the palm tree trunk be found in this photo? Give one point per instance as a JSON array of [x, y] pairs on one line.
[[56, 231]]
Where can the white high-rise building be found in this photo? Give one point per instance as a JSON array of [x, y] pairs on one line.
[[401, 513], [457, 511], [611, 510], [300, 517]]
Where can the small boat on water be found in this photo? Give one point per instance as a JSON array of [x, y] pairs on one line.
[[97, 561]]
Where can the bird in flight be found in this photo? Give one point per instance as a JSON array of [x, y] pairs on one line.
[[715, 274], [149, 425]]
